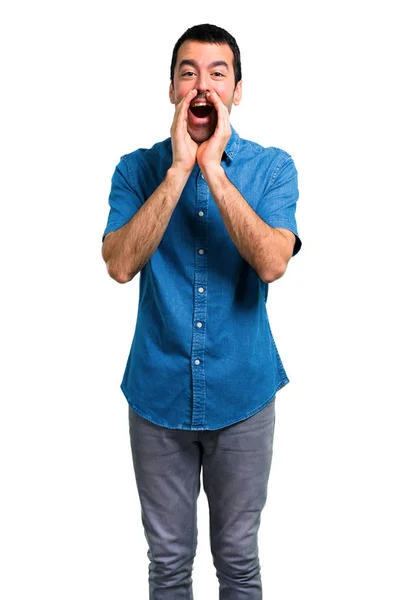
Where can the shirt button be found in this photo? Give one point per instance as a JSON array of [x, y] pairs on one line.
[[201, 213], [199, 324], [197, 362], [201, 251], [201, 175], [201, 290]]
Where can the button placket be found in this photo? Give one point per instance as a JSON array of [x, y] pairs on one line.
[[200, 304]]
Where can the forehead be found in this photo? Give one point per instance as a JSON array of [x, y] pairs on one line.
[[204, 53]]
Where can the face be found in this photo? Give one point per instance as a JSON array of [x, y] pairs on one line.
[[204, 67]]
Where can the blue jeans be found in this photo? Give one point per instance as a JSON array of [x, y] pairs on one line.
[[236, 463]]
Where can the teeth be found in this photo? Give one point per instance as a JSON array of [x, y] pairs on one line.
[[200, 104]]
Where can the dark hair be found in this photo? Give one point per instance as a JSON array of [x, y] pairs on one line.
[[210, 34]]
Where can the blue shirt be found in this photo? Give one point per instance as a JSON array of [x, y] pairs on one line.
[[203, 355]]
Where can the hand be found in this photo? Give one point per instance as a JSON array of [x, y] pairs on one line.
[[184, 149], [209, 153]]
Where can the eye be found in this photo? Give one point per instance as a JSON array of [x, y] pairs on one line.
[[187, 73], [218, 73]]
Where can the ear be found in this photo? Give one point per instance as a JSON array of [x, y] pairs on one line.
[[171, 93], [237, 95]]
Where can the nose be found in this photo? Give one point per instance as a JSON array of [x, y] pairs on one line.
[[202, 83]]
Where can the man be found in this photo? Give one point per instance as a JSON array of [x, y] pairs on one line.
[[208, 219]]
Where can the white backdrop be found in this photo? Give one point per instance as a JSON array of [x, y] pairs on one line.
[[85, 82]]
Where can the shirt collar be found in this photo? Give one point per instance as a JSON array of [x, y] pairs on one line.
[[232, 147]]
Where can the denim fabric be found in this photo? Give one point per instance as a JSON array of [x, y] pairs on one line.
[[203, 355], [236, 463]]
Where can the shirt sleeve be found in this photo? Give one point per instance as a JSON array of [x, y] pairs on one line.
[[278, 207], [124, 201]]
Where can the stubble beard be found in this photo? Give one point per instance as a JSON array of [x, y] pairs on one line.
[[201, 136]]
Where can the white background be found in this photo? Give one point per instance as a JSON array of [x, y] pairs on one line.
[[85, 82]]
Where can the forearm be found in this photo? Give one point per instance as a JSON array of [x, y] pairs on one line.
[[128, 249], [260, 245]]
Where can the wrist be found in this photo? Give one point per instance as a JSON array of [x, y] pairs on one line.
[[177, 176], [179, 172], [212, 172]]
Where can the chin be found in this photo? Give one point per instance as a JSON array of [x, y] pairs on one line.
[[200, 136]]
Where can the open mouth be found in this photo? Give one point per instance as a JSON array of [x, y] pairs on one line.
[[202, 111]]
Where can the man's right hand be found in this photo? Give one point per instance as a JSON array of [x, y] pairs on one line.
[[184, 149]]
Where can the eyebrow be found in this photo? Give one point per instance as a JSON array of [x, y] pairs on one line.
[[192, 63]]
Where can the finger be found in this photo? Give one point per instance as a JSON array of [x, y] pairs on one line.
[[186, 100], [181, 110], [213, 96], [186, 103], [222, 111], [190, 95], [218, 104]]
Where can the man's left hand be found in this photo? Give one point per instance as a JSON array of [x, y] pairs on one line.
[[209, 153]]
